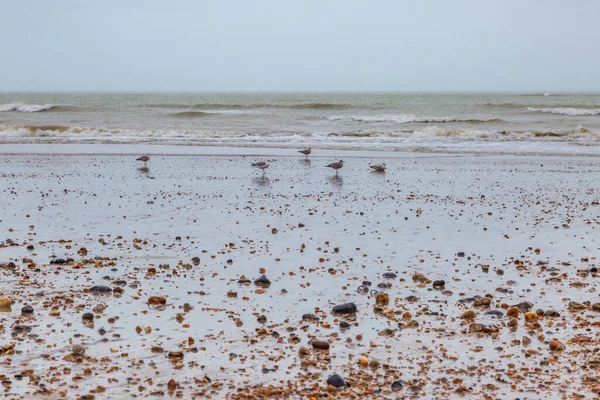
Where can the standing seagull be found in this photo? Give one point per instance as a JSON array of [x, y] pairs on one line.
[[378, 167], [336, 166], [306, 152], [144, 159], [261, 165]]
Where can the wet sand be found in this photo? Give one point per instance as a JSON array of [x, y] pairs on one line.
[[511, 230]]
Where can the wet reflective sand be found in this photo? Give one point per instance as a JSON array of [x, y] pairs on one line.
[[510, 230]]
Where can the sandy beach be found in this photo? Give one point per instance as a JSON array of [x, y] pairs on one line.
[[471, 275]]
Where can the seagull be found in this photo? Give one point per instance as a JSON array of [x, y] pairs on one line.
[[378, 167], [306, 152], [336, 166], [261, 165], [144, 159]]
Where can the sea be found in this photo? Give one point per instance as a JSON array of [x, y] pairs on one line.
[[478, 123]]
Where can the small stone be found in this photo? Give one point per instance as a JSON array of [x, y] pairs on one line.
[[389, 275], [596, 307], [495, 313], [440, 284], [100, 289], [382, 299], [575, 306], [336, 381], [556, 345], [262, 281], [27, 309], [5, 304], [78, 350], [344, 325], [551, 313], [460, 254], [524, 306], [347, 308], [469, 314], [320, 344], [310, 317], [157, 300], [21, 328], [531, 317], [88, 316], [397, 385]]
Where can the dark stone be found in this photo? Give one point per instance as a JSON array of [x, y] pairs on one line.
[[382, 285], [120, 282], [411, 298], [88, 316], [389, 275], [551, 313], [11, 265], [363, 289], [495, 313], [593, 270], [30, 247], [500, 272], [347, 308], [439, 284], [336, 381], [102, 331], [21, 328], [244, 281], [59, 261], [262, 281], [460, 254], [261, 319], [320, 344], [229, 262], [542, 262], [366, 283], [397, 385], [344, 325], [27, 309], [310, 317], [100, 289], [469, 299], [524, 306]]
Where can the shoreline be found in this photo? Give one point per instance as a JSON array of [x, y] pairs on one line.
[[130, 150]]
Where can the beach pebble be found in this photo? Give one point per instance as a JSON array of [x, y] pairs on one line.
[[439, 284], [390, 275], [495, 313], [262, 281], [157, 300], [397, 385], [88, 316], [320, 344], [347, 308], [27, 309], [556, 345], [310, 317], [576, 306], [336, 381], [21, 328], [100, 289]]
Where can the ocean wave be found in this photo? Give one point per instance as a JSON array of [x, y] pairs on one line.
[[571, 111], [193, 114], [31, 108], [238, 106], [369, 138], [406, 119]]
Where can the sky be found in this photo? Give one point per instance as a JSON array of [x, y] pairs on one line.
[[303, 45]]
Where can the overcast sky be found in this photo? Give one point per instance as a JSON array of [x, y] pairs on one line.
[[304, 45]]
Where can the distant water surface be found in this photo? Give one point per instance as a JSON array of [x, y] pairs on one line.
[[559, 123]]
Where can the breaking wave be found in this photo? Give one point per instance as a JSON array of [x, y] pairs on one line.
[[31, 108], [237, 106], [193, 114], [406, 119], [567, 111]]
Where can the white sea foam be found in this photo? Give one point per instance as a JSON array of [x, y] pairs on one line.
[[406, 119], [20, 107], [567, 111]]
